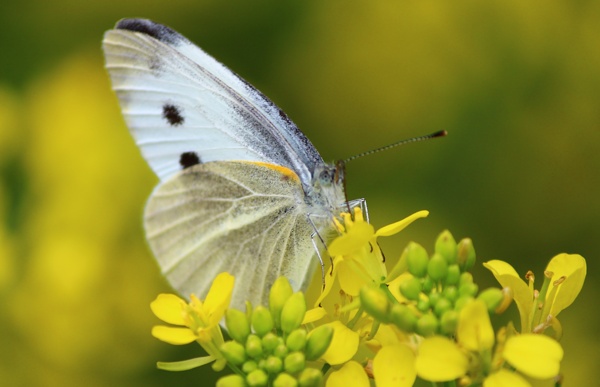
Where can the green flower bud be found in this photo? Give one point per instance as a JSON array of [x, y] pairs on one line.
[[249, 366], [281, 351], [318, 341], [237, 325], [468, 289], [492, 297], [450, 293], [270, 341], [257, 378], [280, 292], [293, 312], [462, 301], [449, 322], [427, 285], [442, 306], [453, 276], [262, 321], [466, 254], [296, 340], [285, 380], [423, 305], [411, 288], [294, 362], [416, 259], [375, 302], [433, 299], [465, 278], [437, 268], [427, 325], [233, 380], [310, 377], [254, 346], [234, 352], [403, 318], [445, 245], [273, 365]]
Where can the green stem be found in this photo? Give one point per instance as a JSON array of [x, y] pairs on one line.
[[355, 319]]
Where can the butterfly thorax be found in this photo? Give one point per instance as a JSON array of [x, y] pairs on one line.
[[327, 196]]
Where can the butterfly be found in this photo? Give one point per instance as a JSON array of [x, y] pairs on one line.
[[241, 188]]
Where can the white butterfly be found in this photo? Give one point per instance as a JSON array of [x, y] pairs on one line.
[[241, 188]]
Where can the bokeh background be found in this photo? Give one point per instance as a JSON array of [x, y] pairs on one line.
[[516, 83]]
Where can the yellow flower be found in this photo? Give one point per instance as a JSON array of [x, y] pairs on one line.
[[196, 320], [357, 258], [563, 280]]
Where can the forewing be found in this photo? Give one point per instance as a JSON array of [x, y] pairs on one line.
[[178, 100], [244, 218]]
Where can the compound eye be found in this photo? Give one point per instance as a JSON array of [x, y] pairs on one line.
[[325, 177]]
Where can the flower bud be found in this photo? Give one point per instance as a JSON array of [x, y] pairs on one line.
[[465, 278], [318, 341], [492, 297], [262, 321], [270, 341], [296, 340], [280, 292], [427, 285], [254, 346], [437, 267], [411, 288], [453, 276], [468, 289], [450, 293], [442, 306], [233, 380], [466, 254], [257, 378], [249, 366], [427, 325], [234, 352], [281, 351], [423, 305], [462, 301], [434, 297], [293, 312], [310, 377], [375, 303], [273, 365], [403, 318], [417, 259], [238, 326], [294, 362], [285, 380], [449, 322], [445, 245]]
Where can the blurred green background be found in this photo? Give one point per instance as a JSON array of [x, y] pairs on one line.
[[516, 83]]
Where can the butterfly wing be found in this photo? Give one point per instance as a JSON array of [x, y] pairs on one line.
[[242, 217], [177, 101]]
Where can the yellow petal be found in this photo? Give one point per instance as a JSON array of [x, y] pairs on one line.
[[505, 378], [350, 277], [218, 297], [314, 314], [169, 308], [394, 365], [394, 287], [439, 360], [395, 228], [344, 344], [351, 374], [507, 276], [574, 268], [537, 356], [475, 331], [356, 238], [175, 336], [330, 275]]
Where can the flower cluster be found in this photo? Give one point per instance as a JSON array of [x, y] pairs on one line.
[[425, 319]]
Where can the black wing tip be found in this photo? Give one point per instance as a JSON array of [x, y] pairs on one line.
[[145, 26]]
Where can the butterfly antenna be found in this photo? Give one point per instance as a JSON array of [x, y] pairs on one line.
[[440, 133]]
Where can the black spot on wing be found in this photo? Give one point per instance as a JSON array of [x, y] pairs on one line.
[[148, 27], [172, 114], [188, 159]]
